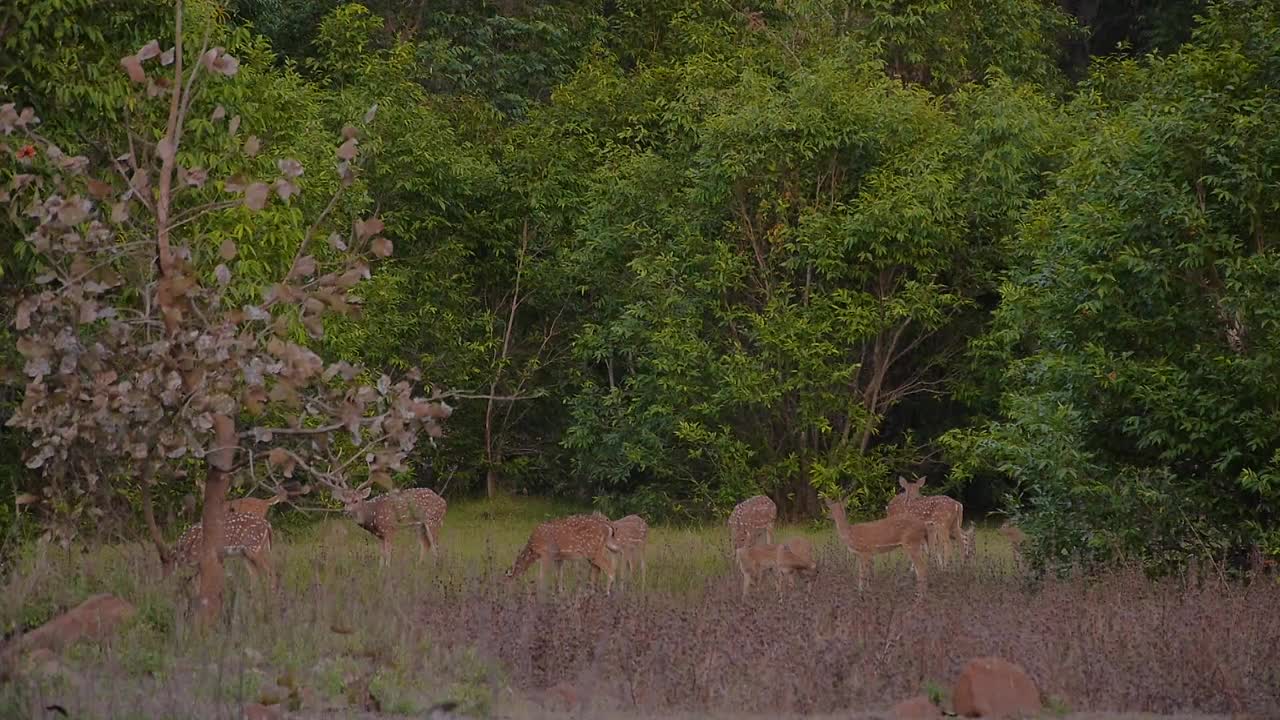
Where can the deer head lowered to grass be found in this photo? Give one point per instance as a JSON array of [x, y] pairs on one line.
[[576, 537], [786, 559], [383, 516]]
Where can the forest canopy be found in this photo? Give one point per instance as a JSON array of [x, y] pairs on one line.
[[666, 254]]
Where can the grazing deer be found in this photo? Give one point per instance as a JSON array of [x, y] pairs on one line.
[[750, 518], [576, 537], [786, 559], [1016, 537], [868, 539], [247, 536], [385, 514], [942, 514], [630, 534]]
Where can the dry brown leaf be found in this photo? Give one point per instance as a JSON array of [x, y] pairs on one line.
[[252, 145], [347, 151], [256, 195], [227, 251], [133, 66], [366, 229], [382, 247]]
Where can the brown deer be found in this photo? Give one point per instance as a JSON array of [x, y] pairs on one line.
[[942, 514], [868, 539], [1016, 537], [387, 513], [749, 519], [576, 537], [630, 533], [786, 559], [253, 505], [244, 535]]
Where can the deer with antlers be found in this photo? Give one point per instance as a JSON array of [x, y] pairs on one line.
[[786, 559], [245, 535], [576, 537], [867, 539], [943, 515], [383, 516], [751, 518]]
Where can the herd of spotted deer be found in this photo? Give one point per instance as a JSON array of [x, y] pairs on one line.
[[913, 522]]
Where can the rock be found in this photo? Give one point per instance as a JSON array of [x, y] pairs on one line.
[[93, 619], [916, 708], [995, 688], [254, 711]]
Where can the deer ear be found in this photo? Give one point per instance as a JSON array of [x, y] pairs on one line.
[[364, 493], [920, 481], [903, 482]]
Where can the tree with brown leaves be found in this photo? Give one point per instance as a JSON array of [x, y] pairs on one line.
[[140, 350]]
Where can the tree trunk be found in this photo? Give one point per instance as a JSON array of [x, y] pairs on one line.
[[219, 462], [491, 482], [149, 513]]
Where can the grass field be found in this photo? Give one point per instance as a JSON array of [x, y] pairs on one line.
[[346, 638]]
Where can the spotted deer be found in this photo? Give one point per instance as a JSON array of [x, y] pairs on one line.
[[786, 560], [630, 533], [244, 535], [576, 537], [868, 539], [943, 515], [749, 519], [384, 515]]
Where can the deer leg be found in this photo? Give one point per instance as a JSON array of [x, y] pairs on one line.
[[919, 564], [863, 562], [386, 550], [424, 541], [643, 569]]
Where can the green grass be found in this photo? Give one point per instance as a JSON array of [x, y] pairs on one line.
[[340, 622]]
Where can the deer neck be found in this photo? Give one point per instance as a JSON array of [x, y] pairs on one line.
[[842, 522]]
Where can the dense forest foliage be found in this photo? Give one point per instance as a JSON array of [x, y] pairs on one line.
[[671, 253]]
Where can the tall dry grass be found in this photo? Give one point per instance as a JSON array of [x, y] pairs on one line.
[[345, 636]]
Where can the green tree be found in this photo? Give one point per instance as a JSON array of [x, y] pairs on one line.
[[1139, 407]]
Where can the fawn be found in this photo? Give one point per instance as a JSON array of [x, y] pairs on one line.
[[868, 539], [247, 536], [749, 519], [384, 515], [576, 537], [630, 534], [942, 514], [786, 559]]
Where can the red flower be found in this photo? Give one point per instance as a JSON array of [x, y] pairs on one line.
[[27, 152]]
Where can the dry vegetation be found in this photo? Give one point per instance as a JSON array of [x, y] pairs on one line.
[[344, 634]]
